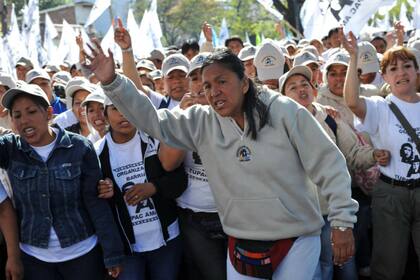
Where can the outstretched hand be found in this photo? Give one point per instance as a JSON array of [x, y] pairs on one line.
[[207, 32], [349, 43], [121, 35], [103, 66]]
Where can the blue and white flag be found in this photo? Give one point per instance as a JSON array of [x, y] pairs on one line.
[[98, 9], [224, 33]]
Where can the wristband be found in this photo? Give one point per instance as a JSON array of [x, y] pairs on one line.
[[127, 49]]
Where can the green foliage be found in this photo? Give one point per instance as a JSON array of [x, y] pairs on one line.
[[43, 4], [182, 19]]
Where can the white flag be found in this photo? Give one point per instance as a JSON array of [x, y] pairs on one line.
[[268, 5], [109, 43], [224, 32], [68, 48], [13, 42], [145, 34], [5, 65], [154, 26], [49, 34], [136, 39], [32, 34], [98, 9]]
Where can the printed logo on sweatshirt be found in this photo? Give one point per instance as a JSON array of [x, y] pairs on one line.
[[243, 153]]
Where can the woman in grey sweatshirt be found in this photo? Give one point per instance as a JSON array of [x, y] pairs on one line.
[[263, 155]]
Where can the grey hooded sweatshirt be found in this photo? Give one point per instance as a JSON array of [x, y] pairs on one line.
[[264, 189]]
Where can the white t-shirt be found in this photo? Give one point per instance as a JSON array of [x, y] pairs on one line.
[[65, 119], [157, 99], [197, 196], [3, 193], [387, 133], [128, 169], [54, 253]]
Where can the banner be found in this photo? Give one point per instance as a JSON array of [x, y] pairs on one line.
[[319, 16], [49, 34], [224, 33]]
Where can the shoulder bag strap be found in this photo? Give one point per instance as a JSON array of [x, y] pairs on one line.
[[404, 122]]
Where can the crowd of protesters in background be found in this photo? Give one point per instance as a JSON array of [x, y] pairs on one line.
[[294, 159]]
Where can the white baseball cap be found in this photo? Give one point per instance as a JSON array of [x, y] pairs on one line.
[[247, 53], [146, 64], [79, 83], [300, 69], [340, 57], [173, 62], [367, 59], [305, 58], [97, 95], [24, 61], [23, 88], [198, 61], [35, 74], [269, 61], [7, 80], [415, 44], [61, 78]]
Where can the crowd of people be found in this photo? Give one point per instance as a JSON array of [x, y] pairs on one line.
[[294, 159]]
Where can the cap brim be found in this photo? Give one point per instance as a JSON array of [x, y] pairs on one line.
[[179, 67], [369, 68], [36, 77], [8, 97], [272, 73], [297, 70], [335, 63], [72, 89], [85, 102], [247, 58]]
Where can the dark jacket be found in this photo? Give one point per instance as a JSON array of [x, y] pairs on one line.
[[61, 192], [169, 185]]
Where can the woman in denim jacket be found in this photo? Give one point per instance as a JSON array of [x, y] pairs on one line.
[[54, 176]]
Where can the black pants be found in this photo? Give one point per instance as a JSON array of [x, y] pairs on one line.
[[204, 257], [87, 267]]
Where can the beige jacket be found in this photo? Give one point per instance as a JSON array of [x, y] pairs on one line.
[[357, 156]]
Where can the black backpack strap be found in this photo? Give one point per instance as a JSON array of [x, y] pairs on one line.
[[165, 103], [404, 122], [332, 124]]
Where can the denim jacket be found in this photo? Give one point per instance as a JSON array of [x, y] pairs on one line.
[[61, 192]]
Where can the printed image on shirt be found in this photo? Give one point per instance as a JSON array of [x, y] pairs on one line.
[[408, 154]]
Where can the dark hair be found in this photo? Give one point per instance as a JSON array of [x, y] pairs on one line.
[[190, 44], [39, 101], [234, 38], [333, 31], [379, 38], [230, 61]]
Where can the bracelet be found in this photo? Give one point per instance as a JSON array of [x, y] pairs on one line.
[[130, 49], [341, 228]]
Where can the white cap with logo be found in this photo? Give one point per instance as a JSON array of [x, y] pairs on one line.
[[269, 61], [198, 61], [173, 62], [367, 60], [340, 57], [305, 58]]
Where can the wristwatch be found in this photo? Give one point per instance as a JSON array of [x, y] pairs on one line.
[[341, 228]]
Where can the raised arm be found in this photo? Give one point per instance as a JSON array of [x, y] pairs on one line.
[[123, 39], [180, 129], [352, 84]]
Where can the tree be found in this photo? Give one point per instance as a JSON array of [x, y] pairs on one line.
[[182, 19]]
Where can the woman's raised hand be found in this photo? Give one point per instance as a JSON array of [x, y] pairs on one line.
[[103, 66], [121, 35], [349, 43]]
